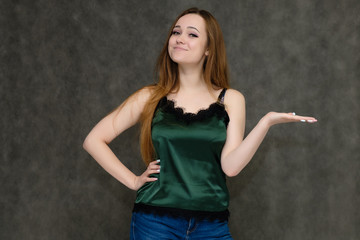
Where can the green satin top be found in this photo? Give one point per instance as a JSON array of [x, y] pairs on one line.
[[189, 148]]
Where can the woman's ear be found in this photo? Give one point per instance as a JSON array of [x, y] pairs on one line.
[[207, 52]]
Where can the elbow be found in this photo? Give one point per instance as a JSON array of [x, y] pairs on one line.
[[231, 172], [92, 142], [231, 175], [87, 143]]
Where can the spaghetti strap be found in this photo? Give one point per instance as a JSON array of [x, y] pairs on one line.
[[222, 96]]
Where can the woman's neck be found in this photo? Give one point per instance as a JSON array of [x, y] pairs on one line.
[[191, 79]]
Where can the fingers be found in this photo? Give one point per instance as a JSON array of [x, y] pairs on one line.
[[308, 120], [303, 118], [154, 162], [151, 179], [153, 168]]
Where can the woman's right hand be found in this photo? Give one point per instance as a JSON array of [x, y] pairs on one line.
[[152, 168]]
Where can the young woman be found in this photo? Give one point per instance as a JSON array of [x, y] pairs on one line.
[[192, 129]]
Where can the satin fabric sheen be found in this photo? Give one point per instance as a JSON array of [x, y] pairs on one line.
[[191, 176]]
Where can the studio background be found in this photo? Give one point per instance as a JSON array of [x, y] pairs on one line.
[[66, 64]]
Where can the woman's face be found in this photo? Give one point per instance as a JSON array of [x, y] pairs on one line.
[[188, 42]]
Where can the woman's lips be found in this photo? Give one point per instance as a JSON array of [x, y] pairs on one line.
[[180, 48]]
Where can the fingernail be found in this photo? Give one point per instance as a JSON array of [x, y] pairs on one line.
[[294, 113], [302, 120], [310, 121], [158, 160], [158, 170]]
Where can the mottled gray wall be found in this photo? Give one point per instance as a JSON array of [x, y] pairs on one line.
[[66, 64]]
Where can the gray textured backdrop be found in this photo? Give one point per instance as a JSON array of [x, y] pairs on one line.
[[66, 64]]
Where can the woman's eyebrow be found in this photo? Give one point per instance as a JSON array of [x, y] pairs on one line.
[[194, 28], [178, 26]]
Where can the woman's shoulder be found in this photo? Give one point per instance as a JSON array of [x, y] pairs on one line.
[[144, 93], [234, 102], [233, 96], [147, 90]]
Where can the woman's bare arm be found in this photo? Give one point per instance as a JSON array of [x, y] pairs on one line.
[[237, 151], [96, 143]]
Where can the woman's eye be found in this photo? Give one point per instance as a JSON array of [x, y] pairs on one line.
[[193, 35], [175, 33]]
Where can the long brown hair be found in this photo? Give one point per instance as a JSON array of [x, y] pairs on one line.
[[215, 75]]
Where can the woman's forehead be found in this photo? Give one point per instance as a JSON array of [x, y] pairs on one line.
[[191, 21]]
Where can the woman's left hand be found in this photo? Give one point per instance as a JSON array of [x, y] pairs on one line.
[[273, 118]]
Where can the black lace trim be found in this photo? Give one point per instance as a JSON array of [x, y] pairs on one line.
[[181, 213], [215, 108]]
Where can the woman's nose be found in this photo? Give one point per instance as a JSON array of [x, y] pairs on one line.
[[179, 39]]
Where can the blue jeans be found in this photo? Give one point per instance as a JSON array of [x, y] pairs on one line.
[[145, 226]]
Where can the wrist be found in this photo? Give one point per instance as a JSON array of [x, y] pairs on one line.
[[265, 122], [135, 183], [130, 182]]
